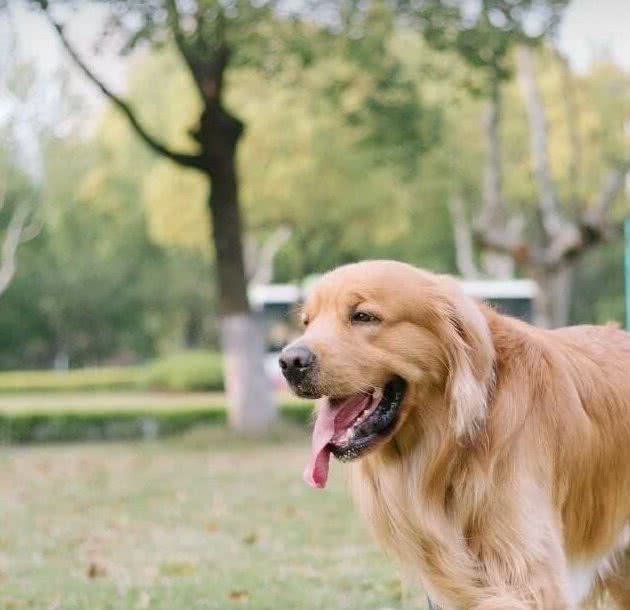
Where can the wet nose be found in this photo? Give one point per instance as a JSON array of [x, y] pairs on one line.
[[295, 362]]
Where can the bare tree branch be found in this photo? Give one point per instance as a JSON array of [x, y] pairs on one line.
[[493, 213], [184, 159], [571, 112], [260, 258], [180, 42], [464, 251], [207, 68], [594, 226], [493, 218], [4, 186], [612, 187], [552, 221], [17, 232], [502, 242]]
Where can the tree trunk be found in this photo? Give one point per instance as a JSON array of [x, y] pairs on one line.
[[495, 264], [250, 400], [553, 303], [560, 233], [218, 132], [464, 249]]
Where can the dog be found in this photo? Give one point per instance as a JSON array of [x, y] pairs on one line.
[[490, 457]]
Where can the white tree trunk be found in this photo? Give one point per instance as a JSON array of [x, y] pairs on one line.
[[552, 307], [16, 233], [259, 258], [561, 290], [495, 264], [248, 387], [464, 249]]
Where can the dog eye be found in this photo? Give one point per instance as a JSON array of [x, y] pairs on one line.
[[361, 317]]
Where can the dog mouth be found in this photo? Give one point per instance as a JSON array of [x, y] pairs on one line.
[[348, 427]]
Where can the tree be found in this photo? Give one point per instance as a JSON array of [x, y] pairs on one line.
[[211, 37], [90, 289], [20, 226], [486, 40], [18, 219], [564, 239], [208, 37], [483, 36], [309, 164]]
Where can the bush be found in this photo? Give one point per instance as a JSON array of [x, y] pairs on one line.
[[25, 427], [193, 371], [79, 380]]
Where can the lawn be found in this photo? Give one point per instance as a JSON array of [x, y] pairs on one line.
[[202, 520]]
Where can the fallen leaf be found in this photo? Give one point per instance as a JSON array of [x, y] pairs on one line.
[[238, 596], [176, 569], [251, 538], [212, 526], [96, 570]]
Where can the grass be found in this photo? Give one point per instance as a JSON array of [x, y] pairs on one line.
[[200, 521]]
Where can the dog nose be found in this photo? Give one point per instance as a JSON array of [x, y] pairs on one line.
[[295, 361]]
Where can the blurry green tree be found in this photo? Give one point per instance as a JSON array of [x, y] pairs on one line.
[[90, 288], [208, 36], [326, 178], [211, 36], [355, 150], [485, 35]]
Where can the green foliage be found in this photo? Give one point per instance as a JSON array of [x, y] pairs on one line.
[[599, 287], [191, 371], [358, 134], [79, 380], [94, 424], [186, 371], [91, 286], [484, 33]]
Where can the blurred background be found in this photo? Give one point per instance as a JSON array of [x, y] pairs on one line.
[[174, 174]]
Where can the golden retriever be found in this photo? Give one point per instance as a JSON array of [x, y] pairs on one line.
[[490, 457]]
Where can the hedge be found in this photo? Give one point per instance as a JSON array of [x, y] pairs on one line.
[[191, 371], [78, 380], [115, 425]]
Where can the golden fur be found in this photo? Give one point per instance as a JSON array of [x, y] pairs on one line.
[[509, 471]]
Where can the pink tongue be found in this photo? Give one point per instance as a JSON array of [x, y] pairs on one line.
[[327, 422]]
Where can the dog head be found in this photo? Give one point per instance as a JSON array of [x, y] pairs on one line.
[[377, 336]]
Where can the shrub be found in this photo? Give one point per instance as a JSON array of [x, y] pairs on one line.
[[193, 371], [29, 427], [79, 380]]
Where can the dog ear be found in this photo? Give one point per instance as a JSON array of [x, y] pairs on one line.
[[471, 357]]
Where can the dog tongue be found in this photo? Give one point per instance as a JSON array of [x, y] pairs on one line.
[[329, 420]]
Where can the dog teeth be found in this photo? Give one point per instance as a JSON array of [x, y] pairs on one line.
[[349, 433]]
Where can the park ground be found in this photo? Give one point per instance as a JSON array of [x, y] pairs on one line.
[[200, 520], [196, 520]]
